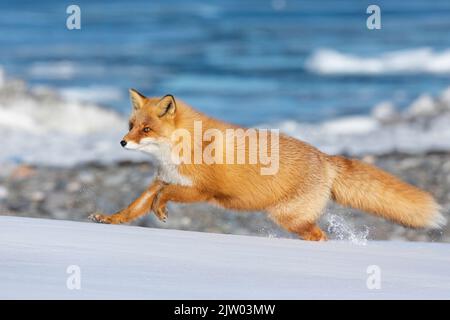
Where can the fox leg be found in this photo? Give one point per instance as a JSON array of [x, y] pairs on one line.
[[176, 193], [299, 216], [137, 208]]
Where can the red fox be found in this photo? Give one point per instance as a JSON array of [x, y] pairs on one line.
[[294, 196]]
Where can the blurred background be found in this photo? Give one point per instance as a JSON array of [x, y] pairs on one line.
[[311, 68]]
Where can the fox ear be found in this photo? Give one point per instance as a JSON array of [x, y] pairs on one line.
[[137, 99], [167, 106]]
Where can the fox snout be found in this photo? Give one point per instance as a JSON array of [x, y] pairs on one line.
[[129, 144]]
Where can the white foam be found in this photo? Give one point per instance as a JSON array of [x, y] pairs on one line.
[[58, 70], [384, 111], [33, 115], [350, 125], [420, 60], [422, 106], [38, 126], [403, 136], [423, 126], [63, 70], [92, 94]]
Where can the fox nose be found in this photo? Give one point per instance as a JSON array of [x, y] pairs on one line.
[[123, 143]]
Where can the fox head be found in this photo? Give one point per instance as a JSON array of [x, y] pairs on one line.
[[151, 122]]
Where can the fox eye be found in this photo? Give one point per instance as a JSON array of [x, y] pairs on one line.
[[130, 126], [147, 129]]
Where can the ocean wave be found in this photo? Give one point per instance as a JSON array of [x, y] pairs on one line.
[[347, 137], [95, 93], [63, 70], [40, 126], [43, 111], [419, 60], [423, 126]]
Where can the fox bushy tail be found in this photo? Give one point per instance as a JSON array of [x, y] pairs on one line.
[[362, 186]]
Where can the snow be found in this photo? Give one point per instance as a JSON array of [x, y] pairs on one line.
[[133, 262]]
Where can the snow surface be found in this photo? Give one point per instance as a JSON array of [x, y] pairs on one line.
[[134, 262]]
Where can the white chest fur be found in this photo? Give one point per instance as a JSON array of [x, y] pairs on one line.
[[161, 152]]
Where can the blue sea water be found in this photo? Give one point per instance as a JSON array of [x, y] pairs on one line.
[[245, 61]]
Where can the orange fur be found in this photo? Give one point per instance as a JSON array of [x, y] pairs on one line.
[[296, 195], [365, 187]]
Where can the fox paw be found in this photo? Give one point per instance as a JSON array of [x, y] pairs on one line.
[[160, 210], [162, 213], [100, 218]]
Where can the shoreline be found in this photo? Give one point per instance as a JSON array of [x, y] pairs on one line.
[[72, 193]]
